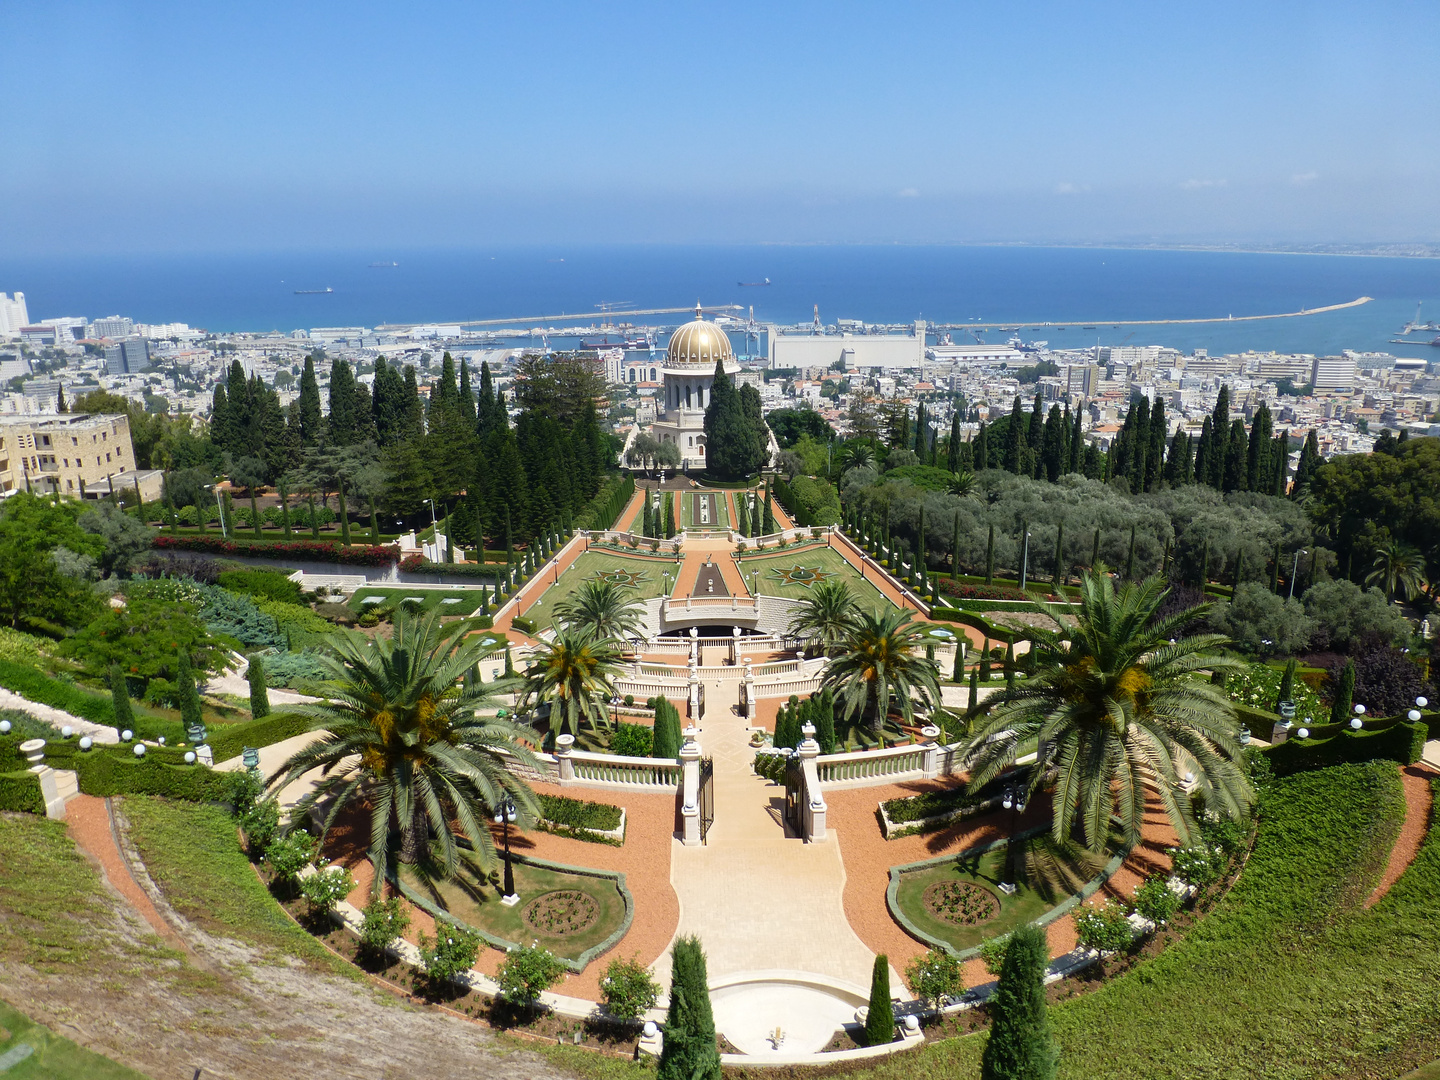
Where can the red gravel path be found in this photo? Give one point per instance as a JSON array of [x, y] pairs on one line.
[[1415, 780]]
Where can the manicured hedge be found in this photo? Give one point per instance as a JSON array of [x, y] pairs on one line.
[[104, 771], [316, 550], [227, 742], [579, 814], [1403, 742], [601, 511], [20, 791], [415, 564]]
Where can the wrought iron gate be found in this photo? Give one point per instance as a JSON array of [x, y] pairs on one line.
[[707, 796], [794, 796]]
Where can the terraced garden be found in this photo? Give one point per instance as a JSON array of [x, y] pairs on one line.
[[792, 572], [640, 576]]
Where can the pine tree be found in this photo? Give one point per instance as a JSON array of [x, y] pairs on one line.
[[120, 700], [880, 1019], [259, 698], [1021, 1044], [689, 1051], [1344, 694], [185, 690], [60, 406]]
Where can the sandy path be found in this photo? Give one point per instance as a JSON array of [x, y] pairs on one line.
[[1415, 780]]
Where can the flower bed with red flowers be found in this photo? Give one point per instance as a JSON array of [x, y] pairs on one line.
[[962, 591], [316, 550]]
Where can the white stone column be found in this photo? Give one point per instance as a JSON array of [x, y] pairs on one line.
[[932, 751], [815, 808], [564, 747], [749, 689], [734, 640], [690, 789], [694, 691]]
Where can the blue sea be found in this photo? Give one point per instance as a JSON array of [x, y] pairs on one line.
[[1020, 286]]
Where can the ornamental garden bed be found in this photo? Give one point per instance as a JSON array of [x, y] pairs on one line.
[[446, 601], [956, 902], [575, 913]]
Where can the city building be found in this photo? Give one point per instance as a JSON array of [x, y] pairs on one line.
[[1332, 373], [849, 350], [128, 357], [977, 354], [115, 326], [76, 454], [12, 314], [689, 373]]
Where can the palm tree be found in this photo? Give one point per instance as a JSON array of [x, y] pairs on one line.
[[602, 608], [403, 734], [574, 675], [1119, 709], [965, 485], [882, 665], [856, 455], [1398, 569], [825, 616]]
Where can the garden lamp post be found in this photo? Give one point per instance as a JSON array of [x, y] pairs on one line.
[[505, 816], [615, 709], [1024, 558], [1014, 801], [1295, 570]]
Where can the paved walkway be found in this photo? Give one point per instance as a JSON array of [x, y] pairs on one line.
[[758, 899], [58, 717]]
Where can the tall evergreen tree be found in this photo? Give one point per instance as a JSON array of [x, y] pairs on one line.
[[1257, 464], [982, 447], [1175, 460], [1021, 1045], [955, 549], [1217, 458], [1035, 429], [1236, 458], [1204, 451], [952, 461], [259, 694], [689, 1051], [388, 404], [467, 394], [1155, 453], [1015, 437], [311, 417], [412, 413], [1077, 443], [730, 444], [1310, 460], [1056, 440], [880, 1015]]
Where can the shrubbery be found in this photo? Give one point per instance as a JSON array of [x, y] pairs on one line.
[[1103, 928], [325, 888], [528, 971], [261, 585], [383, 922], [568, 813], [627, 989], [936, 977], [631, 740], [451, 952]]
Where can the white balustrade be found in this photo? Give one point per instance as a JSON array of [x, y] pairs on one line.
[[872, 766], [608, 769]]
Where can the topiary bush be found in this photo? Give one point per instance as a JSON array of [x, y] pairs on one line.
[[627, 989]]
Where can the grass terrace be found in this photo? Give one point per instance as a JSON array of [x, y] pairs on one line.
[[447, 601], [692, 505], [642, 577], [793, 570]]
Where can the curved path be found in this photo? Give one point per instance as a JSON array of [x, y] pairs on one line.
[[1415, 781]]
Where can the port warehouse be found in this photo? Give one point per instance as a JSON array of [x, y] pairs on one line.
[[879, 351]]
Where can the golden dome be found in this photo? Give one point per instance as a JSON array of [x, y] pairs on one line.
[[700, 343]]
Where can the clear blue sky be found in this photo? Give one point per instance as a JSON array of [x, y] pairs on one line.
[[203, 126]]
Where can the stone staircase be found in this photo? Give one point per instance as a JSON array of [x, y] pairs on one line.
[[57, 787]]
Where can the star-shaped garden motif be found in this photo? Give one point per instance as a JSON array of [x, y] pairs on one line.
[[630, 579], [802, 575]]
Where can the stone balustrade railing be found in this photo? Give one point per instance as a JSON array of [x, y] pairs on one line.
[[875, 766], [612, 769]]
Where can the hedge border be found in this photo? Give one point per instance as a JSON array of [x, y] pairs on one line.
[[319, 550], [1074, 900], [497, 942], [20, 791]]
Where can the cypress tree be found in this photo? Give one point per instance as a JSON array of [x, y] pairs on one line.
[[1219, 440], [666, 741], [185, 690], [1275, 571], [1077, 444], [1095, 551], [375, 524], [314, 521], [1305, 469], [880, 1020], [170, 513], [1257, 463], [952, 460], [311, 418], [920, 547], [1344, 694], [669, 515], [120, 700], [1060, 554], [990, 557], [1056, 441], [507, 538], [1239, 571], [1287, 684], [974, 690], [227, 520], [823, 709], [259, 698], [1155, 454], [1015, 436], [1203, 452], [689, 1051], [254, 512], [1130, 558], [1021, 1044], [957, 673], [1009, 667], [982, 448], [985, 661], [1204, 565]]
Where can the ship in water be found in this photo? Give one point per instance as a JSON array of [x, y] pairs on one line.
[[314, 292], [627, 343], [753, 284], [384, 265]]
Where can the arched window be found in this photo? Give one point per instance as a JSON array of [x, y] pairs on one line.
[[632, 374], [652, 374], [687, 395]]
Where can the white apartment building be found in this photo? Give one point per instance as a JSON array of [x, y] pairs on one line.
[[113, 326], [13, 315], [1332, 373]]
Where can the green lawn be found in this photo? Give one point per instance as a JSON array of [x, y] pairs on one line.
[[194, 855], [465, 601], [477, 903], [52, 1057], [641, 577], [690, 510], [1037, 891], [782, 573]]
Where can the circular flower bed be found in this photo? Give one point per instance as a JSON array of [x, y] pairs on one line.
[[562, 912], [961, 902]]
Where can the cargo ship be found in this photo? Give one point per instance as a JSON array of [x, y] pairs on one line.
[[314, 292]]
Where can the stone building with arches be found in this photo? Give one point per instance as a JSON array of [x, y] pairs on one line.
[[689, 372]]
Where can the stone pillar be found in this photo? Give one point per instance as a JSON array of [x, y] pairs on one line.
[[694, 692], [734, 641], [748, 689], [690, 789], [694, 639], [932, 751], [815, 808], [564, 747]]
